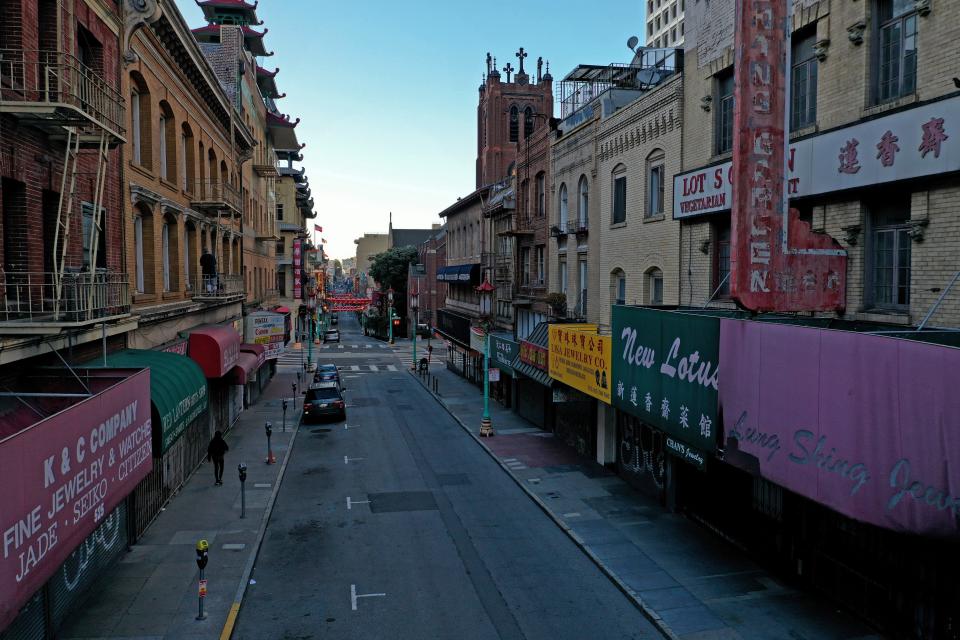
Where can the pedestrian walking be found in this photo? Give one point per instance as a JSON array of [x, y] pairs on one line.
[[215, 452]]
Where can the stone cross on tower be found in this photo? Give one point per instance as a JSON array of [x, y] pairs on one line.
[[488, 63], [508, 70], [521, 54], [539, 68]]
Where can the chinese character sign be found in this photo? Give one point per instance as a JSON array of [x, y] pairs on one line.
[[297, 269], [534, 355], [776, 263], [581, 359], [666, 371]]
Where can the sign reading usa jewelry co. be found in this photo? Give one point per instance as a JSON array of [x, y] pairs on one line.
[[63, 475]]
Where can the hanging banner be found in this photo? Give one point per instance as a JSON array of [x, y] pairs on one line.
[[580, 358], [665, 372], [866, 425], [776, 262], [297, 269], [62, 476]]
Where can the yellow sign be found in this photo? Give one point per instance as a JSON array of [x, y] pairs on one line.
[[580, 358]]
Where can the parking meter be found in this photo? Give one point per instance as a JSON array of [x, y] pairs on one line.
[[284, 414], [268, 427], [242, 470], [202, 547]]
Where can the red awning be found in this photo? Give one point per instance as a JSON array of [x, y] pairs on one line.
[[245, 368], [282, 309], [215, 349], [256, 349]]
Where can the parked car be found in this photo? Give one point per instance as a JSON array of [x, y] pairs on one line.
[[328, 373], [323, 400], [331, 336]]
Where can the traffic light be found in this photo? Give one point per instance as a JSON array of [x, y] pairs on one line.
[[396, 322]]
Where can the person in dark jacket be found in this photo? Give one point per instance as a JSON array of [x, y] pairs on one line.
[[208, 269], [215, 452]]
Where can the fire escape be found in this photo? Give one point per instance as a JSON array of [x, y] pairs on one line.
[[54, 92]]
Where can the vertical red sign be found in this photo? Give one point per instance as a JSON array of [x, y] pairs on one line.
[[776, 262], [297, 270]]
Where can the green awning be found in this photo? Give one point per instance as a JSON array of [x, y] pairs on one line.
[[178, 390]]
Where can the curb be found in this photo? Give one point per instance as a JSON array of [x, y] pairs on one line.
[[634, 597], [227, 631]]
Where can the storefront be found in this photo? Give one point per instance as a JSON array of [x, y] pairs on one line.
[[503, 351], [263, 371], [217, 349], [534, 395], [664, 392], [462, 358], [248, 372], [180, 427], [103, 442], [579, 363]]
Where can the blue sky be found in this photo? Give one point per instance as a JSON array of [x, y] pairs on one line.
[[387, 92]]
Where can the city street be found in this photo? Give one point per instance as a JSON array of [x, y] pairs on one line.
[[395, 524]]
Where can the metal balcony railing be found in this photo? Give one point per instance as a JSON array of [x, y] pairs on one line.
[[577, 226], [58, 88], [215, 194], [32, 297], [219, 287]]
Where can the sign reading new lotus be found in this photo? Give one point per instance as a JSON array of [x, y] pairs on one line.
[[503, 351], [62, 476], [665, 372], [580, 358], [867, 425]]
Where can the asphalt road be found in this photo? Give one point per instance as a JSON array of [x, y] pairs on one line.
[[399, 526]]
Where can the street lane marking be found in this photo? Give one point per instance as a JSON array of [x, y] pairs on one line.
[[354, 595], [234, 546], [350, 502], [573, 514], [347, 460], [390, 367], [354, 367], [374, 367], [262, 485]]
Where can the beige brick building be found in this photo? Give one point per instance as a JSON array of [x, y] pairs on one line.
[[183, 195], [860, 71]]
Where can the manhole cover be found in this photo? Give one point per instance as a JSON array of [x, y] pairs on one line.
[[402, 501]]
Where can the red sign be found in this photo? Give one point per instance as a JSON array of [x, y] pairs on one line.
[[203, 588], [179, 348], [776, 262], [534, 355], [297, 270], [63, 475]]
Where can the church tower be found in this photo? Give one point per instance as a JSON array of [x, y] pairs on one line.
[[508, 113]]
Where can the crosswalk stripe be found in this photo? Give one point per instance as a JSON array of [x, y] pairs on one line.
[[354, 367], [374, 367], [339, 346], [390, 367]]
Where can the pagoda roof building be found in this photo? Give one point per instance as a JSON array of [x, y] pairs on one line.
[[229, 12], [252, 39], [266, 80]]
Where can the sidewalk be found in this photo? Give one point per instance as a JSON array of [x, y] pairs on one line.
[[151, 592], [688, 581]]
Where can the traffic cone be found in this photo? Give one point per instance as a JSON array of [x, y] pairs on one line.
[[271, 459]]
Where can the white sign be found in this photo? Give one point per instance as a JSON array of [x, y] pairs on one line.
[[914, 143], [267, 329]]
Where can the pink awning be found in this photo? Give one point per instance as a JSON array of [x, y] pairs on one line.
[[215, 349], [257, 350], [243, 371]]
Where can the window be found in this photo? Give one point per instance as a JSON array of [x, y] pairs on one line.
[[165, 248], [279, 211], [89, 50], [584, 201], [280, 248], [890, 253], [655, 286], [619, 195], [649, 29], [527, 122], [135, 138], [88, 229], [563, 208], [897, 59], [514, 124], [188, 242], [803, 87], [540, 265], [618, 286], [723, 125], [541, 194], [525, 265], [655, 182], [563, 277], [582, 302], [138, 251], [185, 150], [163, 147]]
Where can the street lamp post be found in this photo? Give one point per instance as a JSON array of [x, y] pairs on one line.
[[415, 307], [390, 314], [486, 302]]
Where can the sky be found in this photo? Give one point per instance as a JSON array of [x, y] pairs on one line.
[[387, 92]]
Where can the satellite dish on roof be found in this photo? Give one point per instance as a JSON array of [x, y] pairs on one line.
[[633, 42], [648, 77]]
